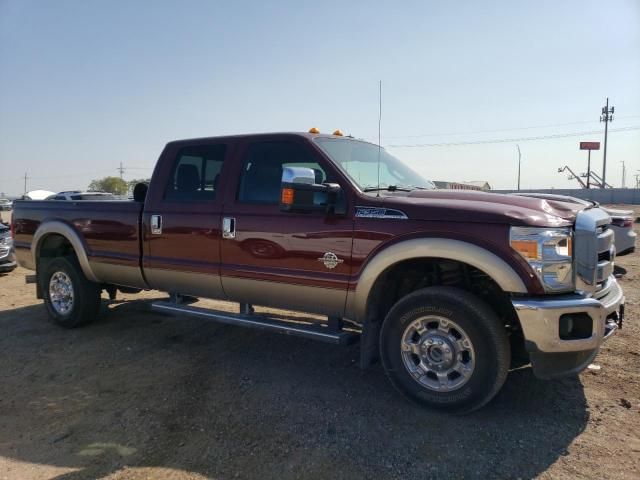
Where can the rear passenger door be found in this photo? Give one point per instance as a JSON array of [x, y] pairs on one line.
[[182, 221], [298, 261]]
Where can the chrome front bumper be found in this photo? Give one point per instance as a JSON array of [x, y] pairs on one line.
[[540, 319]]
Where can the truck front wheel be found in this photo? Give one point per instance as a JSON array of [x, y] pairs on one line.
[[71, 299], [445, 348]]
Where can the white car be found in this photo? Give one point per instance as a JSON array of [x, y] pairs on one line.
[[621, 220], [78, 195], [622, 225]]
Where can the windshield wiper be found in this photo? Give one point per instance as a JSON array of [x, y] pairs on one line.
[[390, 188]]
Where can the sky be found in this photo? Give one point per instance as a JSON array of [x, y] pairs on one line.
[[85, 85]]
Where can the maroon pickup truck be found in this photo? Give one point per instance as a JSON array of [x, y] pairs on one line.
[[450, 289]]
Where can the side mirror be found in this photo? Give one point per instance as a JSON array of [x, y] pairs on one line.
[[140, 192], [299, 192]]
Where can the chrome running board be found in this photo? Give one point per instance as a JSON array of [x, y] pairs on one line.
[[314, 331]]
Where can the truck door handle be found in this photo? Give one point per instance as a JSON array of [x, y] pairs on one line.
[[228, 227], [156, 224]]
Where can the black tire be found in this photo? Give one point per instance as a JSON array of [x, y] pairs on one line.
[[85, 305], [491, 351]]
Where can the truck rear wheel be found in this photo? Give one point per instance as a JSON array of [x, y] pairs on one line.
[[71, 299], [444, 348]]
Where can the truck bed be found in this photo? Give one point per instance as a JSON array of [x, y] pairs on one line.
[[109, 230]]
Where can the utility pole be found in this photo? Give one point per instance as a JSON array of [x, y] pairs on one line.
[[25, 183], [624, 174], [519, 157], [121, 169], [606, 117]]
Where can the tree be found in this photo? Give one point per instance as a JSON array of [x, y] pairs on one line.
[[114, 185]]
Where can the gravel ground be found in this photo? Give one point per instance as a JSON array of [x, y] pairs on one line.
[[138, 395]]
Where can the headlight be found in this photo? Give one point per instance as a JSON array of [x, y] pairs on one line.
[[549, 252], [6, 240]]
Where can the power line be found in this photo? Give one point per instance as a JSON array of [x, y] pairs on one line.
[[51, 177], [533, 127], [509, 140], [85, 174]]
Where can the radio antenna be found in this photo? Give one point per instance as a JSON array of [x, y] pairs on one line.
[[379, 130]]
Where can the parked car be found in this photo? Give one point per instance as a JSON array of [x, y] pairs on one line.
[[7, 255], [80, 195], [5, 204], [622, 225], [449, 288], [621, 220], [37, 195]]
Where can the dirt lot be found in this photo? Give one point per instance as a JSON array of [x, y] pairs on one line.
[[138, 395]]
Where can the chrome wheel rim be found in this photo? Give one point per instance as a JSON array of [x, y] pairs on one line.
[[61, 292], [437, 353]]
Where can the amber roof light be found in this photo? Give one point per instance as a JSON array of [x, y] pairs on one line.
[[314, 130], [338, 133]]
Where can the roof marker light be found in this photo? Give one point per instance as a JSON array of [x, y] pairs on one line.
[[338, 133], [314, 130]]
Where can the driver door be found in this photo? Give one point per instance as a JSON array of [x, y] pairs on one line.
[[276, 258]]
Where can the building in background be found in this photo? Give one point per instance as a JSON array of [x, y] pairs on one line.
[[480, 185], [483, 184]]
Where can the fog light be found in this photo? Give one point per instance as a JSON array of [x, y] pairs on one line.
[[575, 326]]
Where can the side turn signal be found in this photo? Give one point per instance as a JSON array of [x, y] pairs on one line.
[[286, 198]]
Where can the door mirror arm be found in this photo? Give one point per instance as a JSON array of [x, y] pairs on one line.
[[333, 195]]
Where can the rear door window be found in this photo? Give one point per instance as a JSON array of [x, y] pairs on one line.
[[196, 173]]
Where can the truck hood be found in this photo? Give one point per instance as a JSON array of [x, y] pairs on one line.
[[483, 207]]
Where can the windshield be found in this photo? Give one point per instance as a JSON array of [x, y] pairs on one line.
[[359, 160]]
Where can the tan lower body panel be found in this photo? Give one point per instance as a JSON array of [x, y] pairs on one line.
[[322, 301], [186, 283], [118, 274]]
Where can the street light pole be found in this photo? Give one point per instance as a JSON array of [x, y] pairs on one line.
[[589, 170], [519, 157]]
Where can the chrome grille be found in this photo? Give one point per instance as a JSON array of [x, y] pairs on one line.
[[594, 249]]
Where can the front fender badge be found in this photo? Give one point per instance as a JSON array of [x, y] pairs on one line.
[[330, 260]]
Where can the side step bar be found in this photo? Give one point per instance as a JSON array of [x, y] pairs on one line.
[[314, 332]]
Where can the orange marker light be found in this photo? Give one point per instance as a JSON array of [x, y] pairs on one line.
[[287, 196], [314, 130], [527, 248], [338, 133]]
